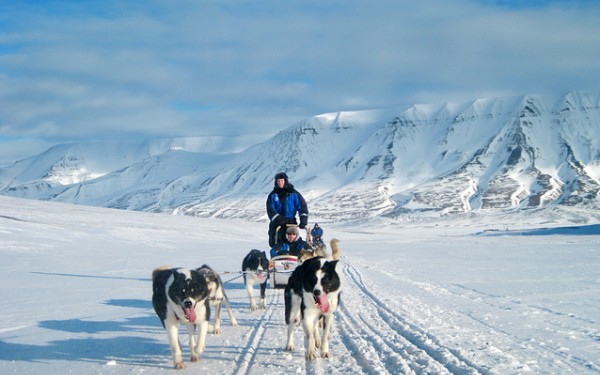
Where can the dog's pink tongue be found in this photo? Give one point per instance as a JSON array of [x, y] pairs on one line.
[[323, 303], [190, 315]]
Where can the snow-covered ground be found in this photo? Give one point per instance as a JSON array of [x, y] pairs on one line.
[[457, 297]]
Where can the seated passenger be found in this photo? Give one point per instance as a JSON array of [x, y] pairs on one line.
[[292, 245]]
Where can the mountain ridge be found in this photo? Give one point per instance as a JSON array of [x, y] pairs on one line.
[[497, 154]]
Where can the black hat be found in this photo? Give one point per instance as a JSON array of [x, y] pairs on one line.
[[281, 175]]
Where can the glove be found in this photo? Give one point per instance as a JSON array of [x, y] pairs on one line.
[[303, 221]]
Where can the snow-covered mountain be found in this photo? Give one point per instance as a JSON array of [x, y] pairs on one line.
[[509, 153]]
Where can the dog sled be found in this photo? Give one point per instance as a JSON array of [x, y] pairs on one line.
[[282, 266]]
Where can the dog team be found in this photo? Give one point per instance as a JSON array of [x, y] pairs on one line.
[[312, 291], [186, 296]]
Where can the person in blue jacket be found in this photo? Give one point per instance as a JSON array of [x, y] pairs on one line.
[[293, 244], [284, 204], [317, 234]]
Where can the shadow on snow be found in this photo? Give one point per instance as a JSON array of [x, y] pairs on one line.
[[129, 349]]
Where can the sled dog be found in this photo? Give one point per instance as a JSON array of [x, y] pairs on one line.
[[313, 291], [320, 248], [181, 295], [320, 251], [335, 250], [306, 254], [255, 268], [216, 296]]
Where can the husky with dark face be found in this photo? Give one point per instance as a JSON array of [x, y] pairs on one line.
[[255, 268], [181, 295], [216, 296], [313, 291]]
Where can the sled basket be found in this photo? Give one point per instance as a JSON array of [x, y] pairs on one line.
[[281, 268]]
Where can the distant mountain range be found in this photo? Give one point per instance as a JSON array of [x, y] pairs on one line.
[[486, 155]]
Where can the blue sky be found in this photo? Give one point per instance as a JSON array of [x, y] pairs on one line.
[[72, 71]]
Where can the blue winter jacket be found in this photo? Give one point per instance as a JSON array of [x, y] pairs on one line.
[[317, 232], [283, 205], [290, 248]]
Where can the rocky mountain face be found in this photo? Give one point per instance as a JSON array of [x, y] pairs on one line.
[[487, 155]]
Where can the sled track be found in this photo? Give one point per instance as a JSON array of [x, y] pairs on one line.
[[382, 341], [559, 320], [244, 365]]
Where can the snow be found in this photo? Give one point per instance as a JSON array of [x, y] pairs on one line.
[[459, 296], [515, 152]]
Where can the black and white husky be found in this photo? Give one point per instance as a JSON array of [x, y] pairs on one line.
[[180, 295], [255, 268], [313, 291], [216, 296]]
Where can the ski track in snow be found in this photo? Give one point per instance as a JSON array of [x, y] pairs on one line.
[[251, 352], [368, 337], [560, 322], [398, 344], [392, 319]]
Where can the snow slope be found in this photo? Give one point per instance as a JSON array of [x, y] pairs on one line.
[[516, 294], [496, 154]]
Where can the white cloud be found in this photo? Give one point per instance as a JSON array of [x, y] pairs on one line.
[[107, 68]]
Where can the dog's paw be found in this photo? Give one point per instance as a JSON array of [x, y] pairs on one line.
[[216, 331], [311, 355], [179, 366], [326, 354], [290, 348], [253, 307], [234, 323]]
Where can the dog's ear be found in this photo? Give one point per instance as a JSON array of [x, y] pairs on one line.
[[330, 265]]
